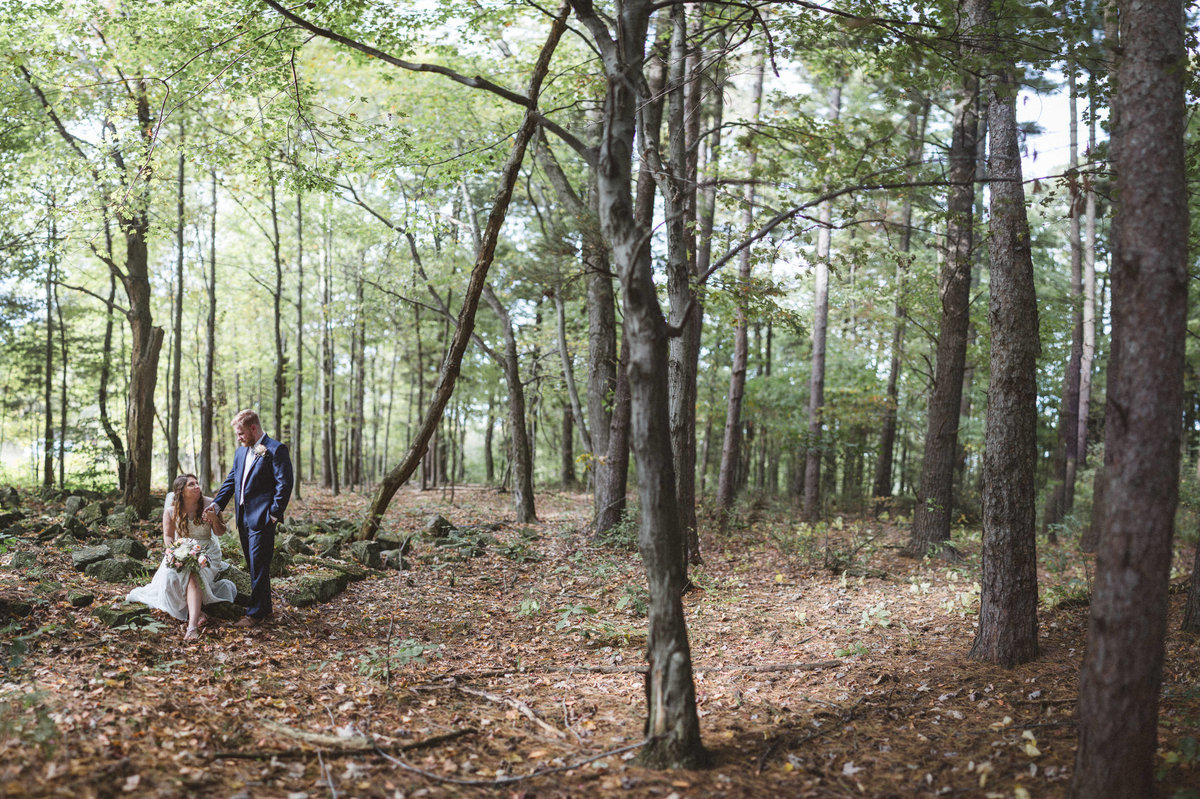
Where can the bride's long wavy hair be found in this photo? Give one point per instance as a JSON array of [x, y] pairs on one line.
[[178, 516]]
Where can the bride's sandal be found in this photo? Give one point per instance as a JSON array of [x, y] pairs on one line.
[[192, 634]]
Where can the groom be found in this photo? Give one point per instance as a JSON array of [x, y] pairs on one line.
[[260, 483]]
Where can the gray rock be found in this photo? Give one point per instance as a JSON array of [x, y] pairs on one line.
[[224, 611], [93, 513], [82, 558], [53, 531], [116, 570], [320, 586], [367, 553], [121, 520], [129, 547], [73, 505], [76, 528], [23, 560], [280, 561], [438, 527], [326, 545], [80, 599], [14, 608], [394, 559], [124, 615], [293, 544], [241, 581], [10, 517], [9, 498], [352, 572]]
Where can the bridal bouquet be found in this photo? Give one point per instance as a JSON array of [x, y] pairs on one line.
[[186, 556]]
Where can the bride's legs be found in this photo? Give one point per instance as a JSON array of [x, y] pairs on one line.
[[195, 597]]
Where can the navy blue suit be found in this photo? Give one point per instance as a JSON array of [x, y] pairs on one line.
[[264, 497]]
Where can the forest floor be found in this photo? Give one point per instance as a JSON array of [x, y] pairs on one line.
[[826, 665]]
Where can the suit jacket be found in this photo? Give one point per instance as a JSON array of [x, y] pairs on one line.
[[267, 489]]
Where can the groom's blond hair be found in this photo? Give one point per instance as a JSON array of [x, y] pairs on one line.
[[246, 417]]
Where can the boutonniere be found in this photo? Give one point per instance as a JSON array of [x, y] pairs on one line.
[[260, 450]]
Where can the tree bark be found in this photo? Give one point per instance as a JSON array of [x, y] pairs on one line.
[[466, 318], [296, 434], [278, 380], [1122, 666], [210, 347], [887, 437], [672, 727], [731, 447], [522, 453], [931, 518], [1008, 627], [816, 383], [612, 481], [114, 438], [48, 380], [174, 406]]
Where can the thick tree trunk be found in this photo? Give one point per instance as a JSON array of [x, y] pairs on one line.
[[686, 309], [1122, 666], [1088, 350], [931, 519], [1008, 628], [672, 726], [567, 475], [816, 383], [731, 447]]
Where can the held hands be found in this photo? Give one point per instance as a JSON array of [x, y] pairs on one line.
[[210, 515]]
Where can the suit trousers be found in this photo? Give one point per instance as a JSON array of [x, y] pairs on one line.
[[259, 548]]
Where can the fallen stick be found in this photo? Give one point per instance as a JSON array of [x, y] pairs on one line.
[[521, 707], [372, 749]]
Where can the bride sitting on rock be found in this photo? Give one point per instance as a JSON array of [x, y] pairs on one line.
[[187, 578]]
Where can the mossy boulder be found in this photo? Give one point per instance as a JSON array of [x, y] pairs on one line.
[[128, 547], [319, 586], [124, 615], [224, 611], [9, 497], [95, 512], [23, 560], [367, 553], [352, 572], [14, 608], [394, 559], [73, 505], [438, 527], [9, 518], [76, 529], [241, 581], [82, 558], [293, 544], [121, 520], [80, 599], [116, 570], [280, 561]]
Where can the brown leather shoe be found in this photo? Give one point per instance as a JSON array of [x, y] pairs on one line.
[[247, 621]]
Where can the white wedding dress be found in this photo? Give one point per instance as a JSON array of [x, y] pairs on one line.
[[168, 590]]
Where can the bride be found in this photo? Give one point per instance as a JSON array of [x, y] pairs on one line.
[[187, 578]]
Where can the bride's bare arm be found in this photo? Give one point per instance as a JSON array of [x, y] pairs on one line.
[[168, 527]]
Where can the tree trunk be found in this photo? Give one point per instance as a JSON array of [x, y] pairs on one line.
[[612, 481], [672, 727], [1008, 628], [1088, 350], [1122, 666], [114, 438], [329, 460], [816, 383], [278, 381], [210, 348], [174, 407], [727, 477], [931, 519], [48, 381], [564, 352], [569, 480], [295, 436], [522, 454], [686, 309], [887, 437]]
